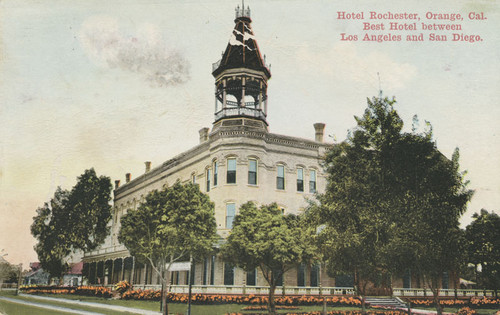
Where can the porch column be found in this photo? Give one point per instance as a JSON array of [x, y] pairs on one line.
[[123, 269], [132, 272]]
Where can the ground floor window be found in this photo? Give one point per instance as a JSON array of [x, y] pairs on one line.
[[212, 270], [252, 277], [407, 279], [301, 275], [314, 275], [228, 274], [445, 281]]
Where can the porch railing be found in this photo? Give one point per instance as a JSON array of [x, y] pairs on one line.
[[289, 290]]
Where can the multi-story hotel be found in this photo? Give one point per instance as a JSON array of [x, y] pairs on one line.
[[236, 161]]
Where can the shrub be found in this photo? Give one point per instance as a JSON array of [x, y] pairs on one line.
[[122, 287]]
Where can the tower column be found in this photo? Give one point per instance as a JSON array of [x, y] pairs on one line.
[[260, 96], [224, 105], [243, 92]]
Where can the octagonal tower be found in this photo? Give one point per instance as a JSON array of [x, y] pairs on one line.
[[241, 79]]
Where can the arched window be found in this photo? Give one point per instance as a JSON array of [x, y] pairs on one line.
[[216, 172], [230, 213], [252, 172], [300, 179], [280, 179], [312, 181], [231, 171], [209, 175]]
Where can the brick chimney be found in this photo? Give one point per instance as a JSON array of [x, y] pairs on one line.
[[117, 183], [319, 129], [127, 177], [148, 166], [203, 134]]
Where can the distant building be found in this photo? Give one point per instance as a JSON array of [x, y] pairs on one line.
[[73, 277]]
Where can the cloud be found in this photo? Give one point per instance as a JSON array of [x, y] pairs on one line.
[[145, 53], [345, 63]]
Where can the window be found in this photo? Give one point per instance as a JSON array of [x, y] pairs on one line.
[[192, 274], [280, 179], [312, 181], [193, 178], [300, 179], [209, 175], [252, 277], [301, 275], [212, 270], [228, 274], [231, 171], [407, 279], [216, 172], [314, 275], [252, 172], [205, 271], [445, 281], [230, 212]]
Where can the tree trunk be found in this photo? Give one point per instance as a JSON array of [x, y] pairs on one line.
[[271, 306], [164, 297]]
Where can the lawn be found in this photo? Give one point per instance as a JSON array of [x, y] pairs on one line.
[[175, 308]]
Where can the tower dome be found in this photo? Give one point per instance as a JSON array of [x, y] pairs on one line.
[[241, 77]]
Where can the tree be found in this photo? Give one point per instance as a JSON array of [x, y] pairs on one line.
[[50, 229], [483, 248], [89, 210], [265, 238], [392, 201], [72, 220], [171, 223], [8, 272]]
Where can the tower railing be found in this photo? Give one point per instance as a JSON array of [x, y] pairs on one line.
[[242, 12], [240, 111]]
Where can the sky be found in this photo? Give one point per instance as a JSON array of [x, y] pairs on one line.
[[112, 84]]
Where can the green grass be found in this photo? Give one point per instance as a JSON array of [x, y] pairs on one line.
[[18, 309], [480, 311], [175, 308]]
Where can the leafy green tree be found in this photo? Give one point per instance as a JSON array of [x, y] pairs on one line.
[[50, 229], [90, 210], [483, 248], [392, 202], [169, 225], [265, 238], [72, 220]]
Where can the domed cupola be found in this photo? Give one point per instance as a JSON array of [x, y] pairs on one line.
[[241, 78]]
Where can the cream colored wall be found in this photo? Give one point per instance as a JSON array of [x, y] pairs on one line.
[[268, 156]]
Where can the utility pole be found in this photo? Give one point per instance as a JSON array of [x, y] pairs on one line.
[[19, 278]]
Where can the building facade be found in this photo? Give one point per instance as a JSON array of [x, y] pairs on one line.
[[236, 161]]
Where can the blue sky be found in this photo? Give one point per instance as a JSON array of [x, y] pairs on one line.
[[79, 87]]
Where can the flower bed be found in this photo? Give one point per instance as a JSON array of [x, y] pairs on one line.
[[208, 299], [264, 307], [474, 302], [81, 290], [334, 313], [205, 299]]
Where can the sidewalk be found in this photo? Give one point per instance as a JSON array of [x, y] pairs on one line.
[[76, 302], [49, 307]]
